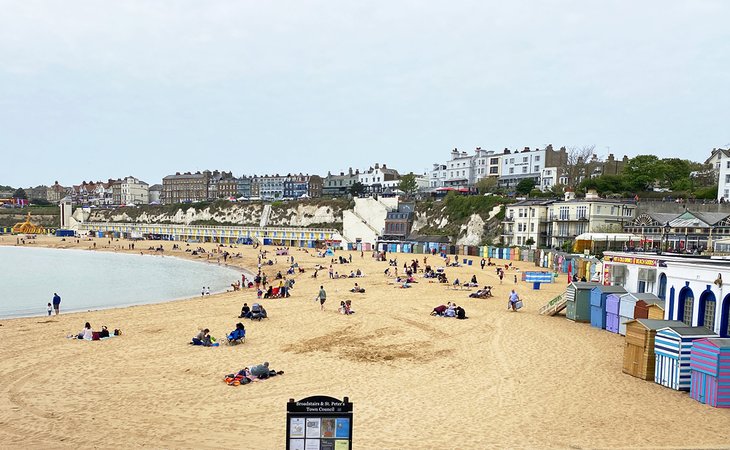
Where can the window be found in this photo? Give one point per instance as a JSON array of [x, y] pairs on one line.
[[727, 178], [728, 164], [524, 169], [511, 160], [564, 213], [582, 212], [532, 227], [511, 170], [537, 169], [493, 170], [494, 161], [524, 159], [537, 157]]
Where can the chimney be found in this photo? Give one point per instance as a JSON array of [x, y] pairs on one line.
[[377, 166], [527, 149], [569, 195], [591, 194], [384, 167]]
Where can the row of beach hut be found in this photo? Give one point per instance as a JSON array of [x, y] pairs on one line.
[[667, 352]]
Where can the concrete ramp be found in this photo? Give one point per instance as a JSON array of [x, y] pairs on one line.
[[265, 214]]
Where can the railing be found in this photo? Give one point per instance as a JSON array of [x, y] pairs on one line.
[[180, 227]]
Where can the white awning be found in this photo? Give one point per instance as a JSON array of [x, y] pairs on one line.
[[619, 237]]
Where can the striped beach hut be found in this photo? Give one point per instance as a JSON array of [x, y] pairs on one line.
[[613, 301], [578, 301], [599, 294], [672, 347], [639, 357], [710, 366]]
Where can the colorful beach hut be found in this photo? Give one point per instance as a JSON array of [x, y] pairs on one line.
[[613, 301], [578, 301], [639, 357], [656, 310], [627, 308], [673, 347], [599, 294], [710, 366]]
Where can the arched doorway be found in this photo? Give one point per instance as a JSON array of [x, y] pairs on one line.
[[725, 318], [707, 308], [671, 303], [663, 287], [685, 305]]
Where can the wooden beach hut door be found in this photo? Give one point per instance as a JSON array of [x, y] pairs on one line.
[[706, 317], [685, 305]]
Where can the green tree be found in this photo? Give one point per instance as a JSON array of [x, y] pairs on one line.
[[408, 184], [675, 172], [525, 186], [20, 193], [642, 171], [486, 185], [357, 189], [530, 242]]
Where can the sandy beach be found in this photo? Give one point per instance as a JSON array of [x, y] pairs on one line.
[[500, 379]]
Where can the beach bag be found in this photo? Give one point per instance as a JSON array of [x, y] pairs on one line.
[[95, 336], [117, 332], [518, 304]]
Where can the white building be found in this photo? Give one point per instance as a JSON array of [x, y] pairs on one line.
[[694, 289], [375, 177], [524, 221], [135, 192], [464, 169], [155, 193], [720, 161], [521, 165]]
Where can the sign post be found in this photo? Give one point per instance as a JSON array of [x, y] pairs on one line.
[[319, 423]]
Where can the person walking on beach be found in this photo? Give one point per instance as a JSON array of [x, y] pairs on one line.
[[513, 299], [322, 297], [50, 310], [57, 303], [331, 272], [482, 263], [501, 275]]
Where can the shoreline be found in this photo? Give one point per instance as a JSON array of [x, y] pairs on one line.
[[45, 246]]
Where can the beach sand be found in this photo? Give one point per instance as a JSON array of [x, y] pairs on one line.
[[500, 379]]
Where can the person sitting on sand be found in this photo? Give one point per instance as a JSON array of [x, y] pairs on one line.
[[203, 338], [86, 333], [439, 310], [357, 289], [104, 333], [238, 333], [460, 313], [348, 307], [358, 273], [474, 279], [245, 312], [450, 310]]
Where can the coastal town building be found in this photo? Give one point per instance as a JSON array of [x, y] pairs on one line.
[[339, 185], [93, 193], [375, 176], [574, 216], [56, 192], [398, 223], [243, 187], [227, 187], [526, 223], [521, 165], [117, 192], [692, 287], [268, 187], [155, 194], [185, 188], [37, 193], [720, 162], [134, 191], [688, 231], [302, 186], [464, 169]]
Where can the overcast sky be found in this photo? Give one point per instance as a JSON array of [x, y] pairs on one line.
[[100, 89]]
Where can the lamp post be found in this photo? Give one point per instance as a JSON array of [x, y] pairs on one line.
[[665, 234]]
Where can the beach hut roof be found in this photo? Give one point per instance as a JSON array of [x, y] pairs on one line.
[[719, 342], [656, 324], [611, 289], [646, 296], [584, 285], [690, 331]]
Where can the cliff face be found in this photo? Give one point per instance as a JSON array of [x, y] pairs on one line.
[[292, 214], [469, 221]]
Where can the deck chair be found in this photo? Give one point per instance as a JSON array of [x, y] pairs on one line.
[[237, 336], [256, 312]]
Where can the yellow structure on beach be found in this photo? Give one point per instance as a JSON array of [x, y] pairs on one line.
[[27, 227]]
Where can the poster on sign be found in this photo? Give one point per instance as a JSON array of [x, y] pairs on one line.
[[319, 423]]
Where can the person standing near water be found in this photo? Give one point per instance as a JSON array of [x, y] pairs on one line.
[[57, 303]]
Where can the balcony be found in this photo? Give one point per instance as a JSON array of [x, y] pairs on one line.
[[508, 219]]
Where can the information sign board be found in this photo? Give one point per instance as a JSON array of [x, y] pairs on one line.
[[319, 423]]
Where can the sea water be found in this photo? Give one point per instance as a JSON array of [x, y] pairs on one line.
[[93, 280]]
